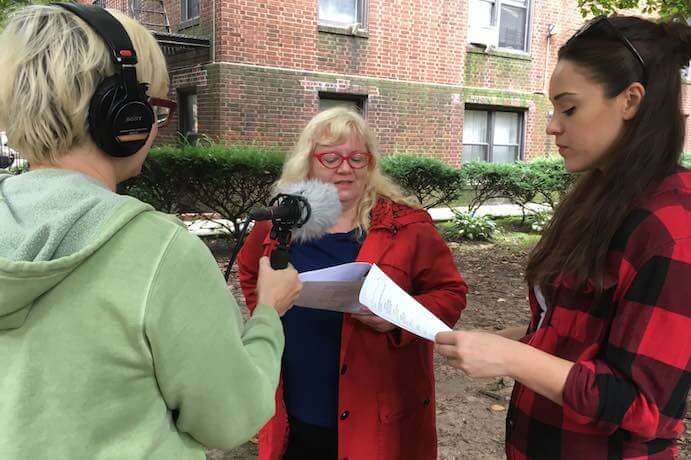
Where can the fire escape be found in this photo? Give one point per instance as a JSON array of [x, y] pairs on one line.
[[152, 14]]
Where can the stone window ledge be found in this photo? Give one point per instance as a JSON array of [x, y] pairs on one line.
[[491, 51], [343, 30]]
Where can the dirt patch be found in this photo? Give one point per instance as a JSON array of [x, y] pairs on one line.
[[470, 413]]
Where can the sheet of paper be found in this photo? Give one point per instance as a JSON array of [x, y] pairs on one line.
[[381, 295], [331, 295], [334, 288], [353, 271]]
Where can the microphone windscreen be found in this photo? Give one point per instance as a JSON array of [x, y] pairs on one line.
[[326, 207]]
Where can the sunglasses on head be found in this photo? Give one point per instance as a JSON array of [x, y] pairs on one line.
[[602, 27]]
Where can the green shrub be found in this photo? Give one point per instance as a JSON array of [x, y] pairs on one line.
[[18, 170], [487, 180], [162, 182], [686, 160], [431, 181], [471, 227], [520, 182], [220, 179], [551, 180], [539, 220]]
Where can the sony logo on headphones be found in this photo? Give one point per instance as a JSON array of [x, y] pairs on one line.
[[133, 118]]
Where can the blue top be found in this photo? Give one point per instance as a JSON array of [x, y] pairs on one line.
[[313, 337]]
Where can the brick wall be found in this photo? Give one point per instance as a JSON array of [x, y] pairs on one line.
[[407, 39], [413, 63], [407, 42], [272, 106]]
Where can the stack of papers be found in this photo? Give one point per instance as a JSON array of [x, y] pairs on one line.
[[362, 288]]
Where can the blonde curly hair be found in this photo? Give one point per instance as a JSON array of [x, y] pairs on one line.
[[332, 127]]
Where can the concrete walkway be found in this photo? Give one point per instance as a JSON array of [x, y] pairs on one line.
[[215, 227]]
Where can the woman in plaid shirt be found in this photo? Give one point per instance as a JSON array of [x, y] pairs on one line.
[[605, 367]]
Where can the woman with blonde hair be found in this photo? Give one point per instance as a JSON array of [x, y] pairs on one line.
[[354, 385], [118, 337]]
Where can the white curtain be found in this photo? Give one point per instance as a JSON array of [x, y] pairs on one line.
[[338, 11]]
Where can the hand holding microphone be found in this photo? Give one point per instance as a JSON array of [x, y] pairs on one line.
[[277, 288]]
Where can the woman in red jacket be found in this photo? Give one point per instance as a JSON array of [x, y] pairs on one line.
[[604, 370], [356, 386]]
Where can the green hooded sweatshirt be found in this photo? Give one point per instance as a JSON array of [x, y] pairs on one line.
[[119, 338]]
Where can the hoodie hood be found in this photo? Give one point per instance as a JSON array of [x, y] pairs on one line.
[[51, 221]]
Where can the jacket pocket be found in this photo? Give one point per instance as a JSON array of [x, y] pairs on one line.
[[406, 425], [396, 405]]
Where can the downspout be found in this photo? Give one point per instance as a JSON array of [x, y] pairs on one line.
[[551, 31], [213, 31]]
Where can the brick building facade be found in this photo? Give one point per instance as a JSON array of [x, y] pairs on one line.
[[452, 79]]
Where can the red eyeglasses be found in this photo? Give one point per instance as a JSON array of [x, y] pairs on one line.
[[163, 108], [333, 160]]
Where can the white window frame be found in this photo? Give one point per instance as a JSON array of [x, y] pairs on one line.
[[360, 22], [185, 7], [489, 35], [489, 140]]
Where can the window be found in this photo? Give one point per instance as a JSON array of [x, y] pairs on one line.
[[492, 135], [352, 101], [188, 119], [344, 13], [190, 9], [500, 23]]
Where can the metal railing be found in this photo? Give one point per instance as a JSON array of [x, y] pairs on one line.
[[150, 13]]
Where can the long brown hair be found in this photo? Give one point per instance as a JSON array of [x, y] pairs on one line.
[[577, 239]]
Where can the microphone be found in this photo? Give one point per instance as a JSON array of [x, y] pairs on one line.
[[289, 210], [325, 206], [302, 211]]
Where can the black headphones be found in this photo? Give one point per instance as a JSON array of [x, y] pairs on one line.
[[120, 117]]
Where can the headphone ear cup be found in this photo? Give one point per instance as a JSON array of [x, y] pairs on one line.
[[119, 123], [98, 112]]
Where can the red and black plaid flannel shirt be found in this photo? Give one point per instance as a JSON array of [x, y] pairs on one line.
[[625, 397]]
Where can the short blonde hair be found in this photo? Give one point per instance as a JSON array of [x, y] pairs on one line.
[[332, 127], [52, 62]]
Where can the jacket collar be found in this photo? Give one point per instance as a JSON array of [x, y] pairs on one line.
[[391, 216]]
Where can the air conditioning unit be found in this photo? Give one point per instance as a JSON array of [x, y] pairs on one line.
[[483, 36]]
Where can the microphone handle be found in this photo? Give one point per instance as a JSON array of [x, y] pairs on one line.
[[279, 258]]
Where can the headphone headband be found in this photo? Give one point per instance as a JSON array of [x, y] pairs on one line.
[[109, 29]]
